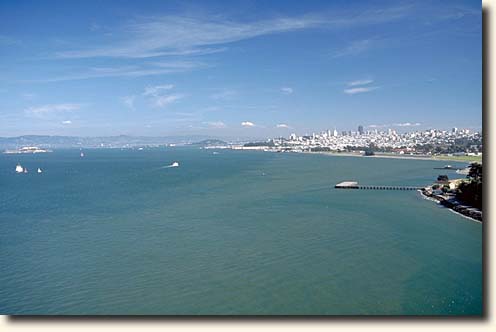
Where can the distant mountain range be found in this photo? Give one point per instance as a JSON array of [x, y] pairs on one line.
[[93, 142], [121, 141], [211, 142]]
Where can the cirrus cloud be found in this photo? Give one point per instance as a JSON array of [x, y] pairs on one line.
[[247, 124], [159, 95], [129, 101], [353, 91], [215, 124], [287, 90], [51, 109], [360, 82]]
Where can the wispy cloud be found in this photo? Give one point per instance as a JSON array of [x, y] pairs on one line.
[[129, 101], [224, 94], [404, 124], [283, 125], [173, 35], [160, 96], [354, 48], [287, 90], [183, 35], [157, 90], [162, 101], [215, 124], [407, 124], [146, 69], [46, 110], [359, 86], [8, 41], [247, 124], [360, 82], [353, 91], [67, 122]]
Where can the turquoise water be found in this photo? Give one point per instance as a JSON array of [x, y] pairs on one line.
[[237, 232]]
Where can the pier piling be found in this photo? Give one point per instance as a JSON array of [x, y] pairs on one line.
[[355, 185]]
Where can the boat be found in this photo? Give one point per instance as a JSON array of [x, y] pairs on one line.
[[19, 168], [39, 170], [25, 170], [82, 154], [447, 167], [174, 164]]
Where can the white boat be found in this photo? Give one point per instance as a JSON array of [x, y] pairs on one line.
[[39, 170], [25, 170], [19, 169], [82, 154], [174, 164]]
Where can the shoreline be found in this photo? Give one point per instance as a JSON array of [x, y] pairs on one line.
[[408, 157], [463, 213]]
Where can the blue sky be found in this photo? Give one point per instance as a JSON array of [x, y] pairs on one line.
[[238, 68]]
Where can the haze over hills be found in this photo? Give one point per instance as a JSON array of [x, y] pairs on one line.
[[108, 141]]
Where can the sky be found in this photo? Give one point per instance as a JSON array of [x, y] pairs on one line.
[[238, 68]]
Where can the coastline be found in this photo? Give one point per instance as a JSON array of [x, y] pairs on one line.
[[451, 205], [407, 157], [464, 213]]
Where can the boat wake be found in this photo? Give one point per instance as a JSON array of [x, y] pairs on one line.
[[174, 164]]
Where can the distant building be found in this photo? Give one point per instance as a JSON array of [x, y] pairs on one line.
[[360, 130], [335, 133]]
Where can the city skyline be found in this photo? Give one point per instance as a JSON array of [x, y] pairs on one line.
[[246, 69]]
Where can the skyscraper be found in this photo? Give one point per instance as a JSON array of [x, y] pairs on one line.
[[360, 129]]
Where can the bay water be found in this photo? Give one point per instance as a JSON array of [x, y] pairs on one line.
[[231, 233]]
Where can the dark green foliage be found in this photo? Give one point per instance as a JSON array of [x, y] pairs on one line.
[[269, 143], [471, 192], [442, 178], [321, 149]]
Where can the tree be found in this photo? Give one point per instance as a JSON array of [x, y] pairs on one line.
[[442, 178], [471, 192], [475, 172]]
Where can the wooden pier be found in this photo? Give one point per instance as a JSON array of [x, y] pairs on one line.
[[355, 185]]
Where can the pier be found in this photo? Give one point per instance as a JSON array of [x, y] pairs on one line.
[[355, 185]]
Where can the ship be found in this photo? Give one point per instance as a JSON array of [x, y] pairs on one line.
[[174, 164], [27, 149], [19, 168], [39, 170]]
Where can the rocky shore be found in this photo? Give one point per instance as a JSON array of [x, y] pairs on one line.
[[450, 202]]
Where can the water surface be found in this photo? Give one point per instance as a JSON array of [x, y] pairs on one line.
[[237, 232]]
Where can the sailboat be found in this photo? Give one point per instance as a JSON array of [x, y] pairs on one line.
[[19, 168], [39, 170]]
